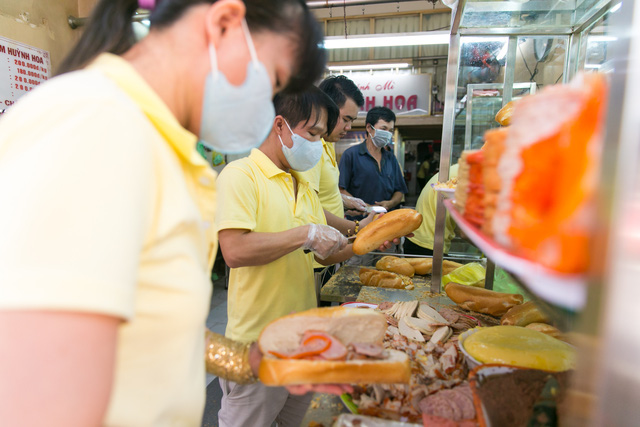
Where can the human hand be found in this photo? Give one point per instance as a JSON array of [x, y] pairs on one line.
[[255, 357], [324, 240], [353, 203], [367, 220], [337, 389]]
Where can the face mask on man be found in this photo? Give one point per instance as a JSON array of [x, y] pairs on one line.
[[381, 138], [236, 119], [303, 154]]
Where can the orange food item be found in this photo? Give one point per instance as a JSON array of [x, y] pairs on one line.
[[549, 171], [474, 206], [493, 149]]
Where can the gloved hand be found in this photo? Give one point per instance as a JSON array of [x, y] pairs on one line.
[[353, 203], [324, 240]]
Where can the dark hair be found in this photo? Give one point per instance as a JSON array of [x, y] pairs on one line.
[[109, 30], [339, 88], [297, 108], [377, 113]]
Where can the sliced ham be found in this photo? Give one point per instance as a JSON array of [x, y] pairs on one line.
[[336, 351], [367, 349]]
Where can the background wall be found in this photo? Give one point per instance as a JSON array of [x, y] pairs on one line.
[[43, 24]]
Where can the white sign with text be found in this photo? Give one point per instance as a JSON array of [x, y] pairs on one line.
[[22, 68], [403, 93]]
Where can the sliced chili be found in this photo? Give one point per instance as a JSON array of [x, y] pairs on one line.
[[307, 353]]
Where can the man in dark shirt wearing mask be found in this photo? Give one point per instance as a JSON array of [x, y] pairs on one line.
[[370, 172]]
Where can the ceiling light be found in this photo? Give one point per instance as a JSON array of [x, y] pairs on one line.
[[385, 40], [616, 8], [368, 66]]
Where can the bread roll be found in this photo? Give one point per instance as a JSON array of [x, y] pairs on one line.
[[394, 224], [449, 266], [421, 266], [546, 329], [384, 279], [395, 265], [482, 300], [504, 115], [523, 314], [348, 325]]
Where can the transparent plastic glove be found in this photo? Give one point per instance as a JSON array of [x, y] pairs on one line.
[[324, 240], [353, 203]]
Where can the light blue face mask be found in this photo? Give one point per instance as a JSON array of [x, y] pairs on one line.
[[381, 138], [303, 154], [236, 119]]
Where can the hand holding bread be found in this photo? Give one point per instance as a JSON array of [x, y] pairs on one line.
[[391, 225]]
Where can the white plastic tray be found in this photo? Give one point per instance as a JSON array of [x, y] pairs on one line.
[[565, 290]]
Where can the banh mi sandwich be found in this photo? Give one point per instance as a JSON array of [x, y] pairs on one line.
[[333, 345]]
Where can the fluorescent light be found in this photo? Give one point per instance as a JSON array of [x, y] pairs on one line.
[[368, 66], [384, 40], [593, 66], [616, 8]]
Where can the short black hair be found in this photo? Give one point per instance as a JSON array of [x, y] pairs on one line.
[[297, 108], [377, 113], [339, 88]]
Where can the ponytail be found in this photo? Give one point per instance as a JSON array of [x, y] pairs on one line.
[[109, 30]]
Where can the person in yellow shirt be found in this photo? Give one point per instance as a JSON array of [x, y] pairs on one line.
[[106, 233], [422, 241], [268, 219]]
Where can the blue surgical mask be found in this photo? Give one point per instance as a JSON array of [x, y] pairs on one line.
[[303, 154], [236, 119], [381, 138]]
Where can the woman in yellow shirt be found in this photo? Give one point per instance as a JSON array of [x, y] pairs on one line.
[[106, 231]]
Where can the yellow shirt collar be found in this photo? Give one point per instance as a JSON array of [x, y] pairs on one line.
[[128, 79], [270, 169]]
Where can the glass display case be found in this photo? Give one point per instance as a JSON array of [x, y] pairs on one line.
[[501, 50]]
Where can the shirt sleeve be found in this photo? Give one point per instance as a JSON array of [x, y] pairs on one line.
[[346, 168], [76, 192], [237, 199]]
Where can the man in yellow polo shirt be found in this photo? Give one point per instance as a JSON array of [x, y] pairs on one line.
[[422, 241], [267, 216], [324, 176]]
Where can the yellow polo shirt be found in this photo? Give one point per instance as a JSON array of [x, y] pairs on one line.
[[254, 194], [426, 205], [110, 213], [324, 177]]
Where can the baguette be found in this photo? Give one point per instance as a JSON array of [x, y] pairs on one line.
[[523, 315], [449, 266], [394, 224], [395, 265], [421, 266], [384, 279], [504, 115], [482, 300], [349, 326], [546, 329]]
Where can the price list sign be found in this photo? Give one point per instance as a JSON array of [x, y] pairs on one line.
[[22, 68]]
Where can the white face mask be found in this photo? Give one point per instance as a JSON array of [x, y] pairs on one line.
[[303, 154], [381, 138], [236, 119]]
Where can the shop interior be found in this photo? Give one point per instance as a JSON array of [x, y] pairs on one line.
[[446, 69]]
